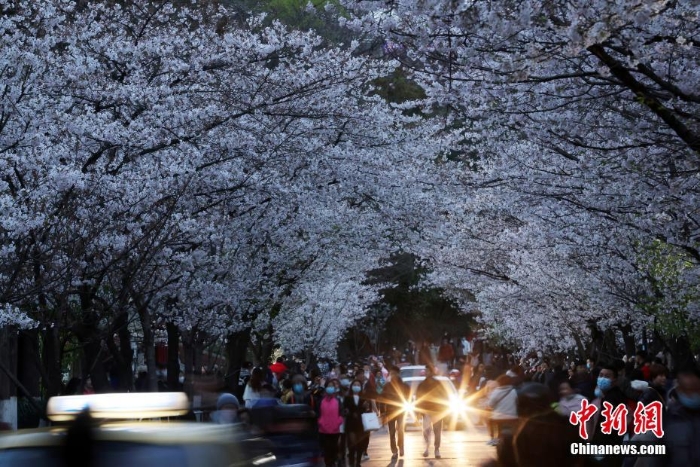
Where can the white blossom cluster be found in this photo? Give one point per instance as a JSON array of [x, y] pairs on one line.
[[185, 166], [580, 119]]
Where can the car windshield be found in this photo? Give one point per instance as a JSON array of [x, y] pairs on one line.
[[449, 386], [411, 371]]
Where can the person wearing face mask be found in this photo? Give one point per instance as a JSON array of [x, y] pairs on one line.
[[330, 419], [343, 392], [226, 409], [681, 422], [354, 406], [606, 391], [299, 393]]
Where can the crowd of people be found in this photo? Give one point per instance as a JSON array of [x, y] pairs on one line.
[[526, 403]]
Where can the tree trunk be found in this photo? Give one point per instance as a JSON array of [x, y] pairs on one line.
[[91, 340], [628, 338], [198, 358], [52, 362], [8, 359], [149, 349], [122, 359], [28, 370], [126, 369], [236, 348], [189, 365], [173, 356]]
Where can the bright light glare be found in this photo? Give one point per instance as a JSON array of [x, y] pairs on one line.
[[457, 405], [119, 405], [409, 407]]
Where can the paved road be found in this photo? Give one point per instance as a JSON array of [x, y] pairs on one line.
[[459, 449]]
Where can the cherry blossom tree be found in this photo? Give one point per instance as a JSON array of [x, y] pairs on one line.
[[580, 120]]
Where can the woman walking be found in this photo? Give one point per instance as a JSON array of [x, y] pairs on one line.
[[329, 421]]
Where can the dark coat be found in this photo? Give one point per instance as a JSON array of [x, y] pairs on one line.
[[353, 413]]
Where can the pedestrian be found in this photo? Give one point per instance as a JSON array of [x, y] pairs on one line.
[[607, 390], [300, 393], [253, 388], [395, 396], [503, 402], [330, 420], [431, 397], [226, 409], [657, 385], [445, 356], [569, 400], [354, 406]]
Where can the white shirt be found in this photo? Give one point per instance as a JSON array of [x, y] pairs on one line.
[[250, 395]]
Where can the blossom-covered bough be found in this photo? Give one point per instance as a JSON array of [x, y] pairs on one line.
[[178, 168], [584, 116]]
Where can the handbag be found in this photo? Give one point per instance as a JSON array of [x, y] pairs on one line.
[[370, 421]]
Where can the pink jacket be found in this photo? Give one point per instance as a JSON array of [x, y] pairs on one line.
[[330, 419]]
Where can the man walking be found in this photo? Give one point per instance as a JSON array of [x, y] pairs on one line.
[[431, 401], [395, 394]]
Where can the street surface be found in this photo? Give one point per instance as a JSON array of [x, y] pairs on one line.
[[459, 449]]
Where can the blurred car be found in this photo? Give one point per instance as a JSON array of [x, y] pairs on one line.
[[113, 435], [411, 371], [455, 405], [292, 431]]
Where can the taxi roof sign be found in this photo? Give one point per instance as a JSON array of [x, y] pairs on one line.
[[119, 405]]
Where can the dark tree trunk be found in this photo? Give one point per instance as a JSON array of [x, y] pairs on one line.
[[122, 354], [198, 357], [126, 370], [628, 338], [29, 361], [90, 338], [52, 362], [173, 356], [236, 349], [8, 361], [189, 366]]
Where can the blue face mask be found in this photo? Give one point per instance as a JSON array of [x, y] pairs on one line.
[[691, 402], [298, 388], [330, 390], [356, 389], [604, 383], [345, 382]]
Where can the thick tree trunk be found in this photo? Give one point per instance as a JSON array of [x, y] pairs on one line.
[[8, 359], [52, 362], [126, 370], [173, 356], [28, 370], [198, 357], [236, 349], [90, 338], [122, 359]]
